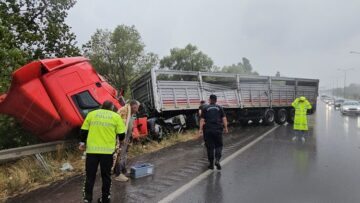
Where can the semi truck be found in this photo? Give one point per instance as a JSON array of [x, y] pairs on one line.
[[51, 97], [245, 98]]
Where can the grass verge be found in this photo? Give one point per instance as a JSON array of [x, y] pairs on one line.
[[27, 174]]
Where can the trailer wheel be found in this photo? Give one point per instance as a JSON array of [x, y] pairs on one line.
[[290, 116], [281, 116], [192, 121], [162, 134], [269, 117], [159, 132]]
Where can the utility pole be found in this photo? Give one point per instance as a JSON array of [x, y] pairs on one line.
[[345, 70], [337, 86]]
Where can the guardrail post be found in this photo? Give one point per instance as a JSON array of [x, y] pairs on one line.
[[59, 151], [42, 162]]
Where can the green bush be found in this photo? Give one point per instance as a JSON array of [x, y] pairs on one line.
[[13, 135]]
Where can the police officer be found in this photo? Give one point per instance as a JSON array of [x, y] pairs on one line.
[[99, 131], [213, 123], [301, 106]]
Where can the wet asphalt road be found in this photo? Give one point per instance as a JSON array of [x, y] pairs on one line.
[[326, 168], [174, 166]]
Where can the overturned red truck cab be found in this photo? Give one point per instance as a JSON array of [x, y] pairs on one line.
[[51, 97]]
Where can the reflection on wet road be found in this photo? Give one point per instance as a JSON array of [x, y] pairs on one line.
[[326, 168]]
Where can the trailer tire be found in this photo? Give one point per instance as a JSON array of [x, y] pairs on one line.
[[160, 134], [281, 116], [269, 117], [290, 116], [192, 121]]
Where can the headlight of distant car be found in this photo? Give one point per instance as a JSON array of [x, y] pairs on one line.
[[346, 108]]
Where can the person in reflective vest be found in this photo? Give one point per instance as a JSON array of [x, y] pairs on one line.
[[301, 105], [99, 133]]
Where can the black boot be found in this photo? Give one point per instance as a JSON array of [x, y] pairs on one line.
[[104, 200], [211, 165], [217, 164]]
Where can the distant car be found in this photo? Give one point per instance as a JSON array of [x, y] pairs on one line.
[[329, 100], [323, 97], [350, 107], [338, 103]]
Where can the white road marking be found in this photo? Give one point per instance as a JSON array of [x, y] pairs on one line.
[[182, 189]]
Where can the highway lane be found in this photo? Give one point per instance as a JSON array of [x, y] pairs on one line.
[[326, 168], [174, 166], [323, 169]]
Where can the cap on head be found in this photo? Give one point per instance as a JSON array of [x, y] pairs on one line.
[[108, 105], [302, 98]]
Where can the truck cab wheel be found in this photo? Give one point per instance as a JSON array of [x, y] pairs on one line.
[[269, 117], [281, 116], [290, 116]]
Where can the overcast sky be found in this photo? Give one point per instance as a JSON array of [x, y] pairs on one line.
[[299, 38]]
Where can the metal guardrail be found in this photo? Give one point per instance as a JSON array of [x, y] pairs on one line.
[[19, 152]]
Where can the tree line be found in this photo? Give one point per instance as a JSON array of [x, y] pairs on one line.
[[120, 56], [351, 92], [36, 29]]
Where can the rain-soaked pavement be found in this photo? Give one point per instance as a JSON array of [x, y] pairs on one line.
[[174, 166], [325, 168]]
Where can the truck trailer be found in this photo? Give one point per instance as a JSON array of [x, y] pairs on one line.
[[51, 97], [245, 98]]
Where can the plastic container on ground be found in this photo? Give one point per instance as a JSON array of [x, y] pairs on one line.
[[141, 170]]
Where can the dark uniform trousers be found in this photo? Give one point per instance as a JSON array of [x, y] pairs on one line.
[[214, 143], [92, 163]]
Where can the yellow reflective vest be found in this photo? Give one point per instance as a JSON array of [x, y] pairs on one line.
[[103, 126], [300, 119]]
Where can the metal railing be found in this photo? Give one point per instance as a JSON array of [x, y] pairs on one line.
[[19, 152]]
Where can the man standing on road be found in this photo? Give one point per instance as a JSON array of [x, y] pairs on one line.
[[128, 114], [301, 106], [212, 124], [99, 131]]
